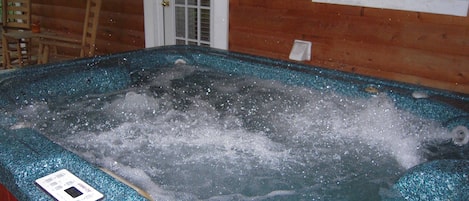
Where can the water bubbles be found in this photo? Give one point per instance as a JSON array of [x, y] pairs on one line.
[[336, 157], [191, 132]]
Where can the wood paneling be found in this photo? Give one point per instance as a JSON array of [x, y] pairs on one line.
[[121, 24], [419, 48]]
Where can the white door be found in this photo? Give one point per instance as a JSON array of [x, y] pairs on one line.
[[186, 22]]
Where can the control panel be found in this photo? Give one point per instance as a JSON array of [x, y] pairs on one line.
[[65, 186]]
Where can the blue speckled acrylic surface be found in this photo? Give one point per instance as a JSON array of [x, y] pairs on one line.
[[436, 180], [26, 155]]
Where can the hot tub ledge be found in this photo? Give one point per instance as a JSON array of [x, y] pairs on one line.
[[436, 180]]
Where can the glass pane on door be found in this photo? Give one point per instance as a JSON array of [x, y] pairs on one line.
[[180, 22], [192, 22], [205, 3], [205, 24], [192, 2]]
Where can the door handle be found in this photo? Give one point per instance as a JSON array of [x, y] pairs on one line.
[[165, 3]]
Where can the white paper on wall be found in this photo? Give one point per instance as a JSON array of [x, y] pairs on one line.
[[447, 7]]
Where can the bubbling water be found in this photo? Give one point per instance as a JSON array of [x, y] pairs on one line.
[[188, 133]]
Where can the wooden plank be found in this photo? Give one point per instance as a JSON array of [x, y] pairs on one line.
[[121, 20], [52, 12], [125, 37], [105, 47], [134, 7], [275, 43], [62, 3], [258, 3], [391, 15], [118, 6]]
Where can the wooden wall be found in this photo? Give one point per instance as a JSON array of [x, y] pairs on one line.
[[121, 24], [419, 48]]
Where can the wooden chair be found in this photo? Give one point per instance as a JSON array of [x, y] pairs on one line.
[[86, 45], [16, 16]]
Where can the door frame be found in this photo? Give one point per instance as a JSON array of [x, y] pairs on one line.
[[154, 24]]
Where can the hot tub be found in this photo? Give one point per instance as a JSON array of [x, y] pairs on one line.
[[30, 148]]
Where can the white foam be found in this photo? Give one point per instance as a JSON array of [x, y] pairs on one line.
[[380, 124], [134, 105], [20, 125], [164, 78], [269, 196], [139, 178]]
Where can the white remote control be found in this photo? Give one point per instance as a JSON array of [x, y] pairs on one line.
[[64, 186]]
